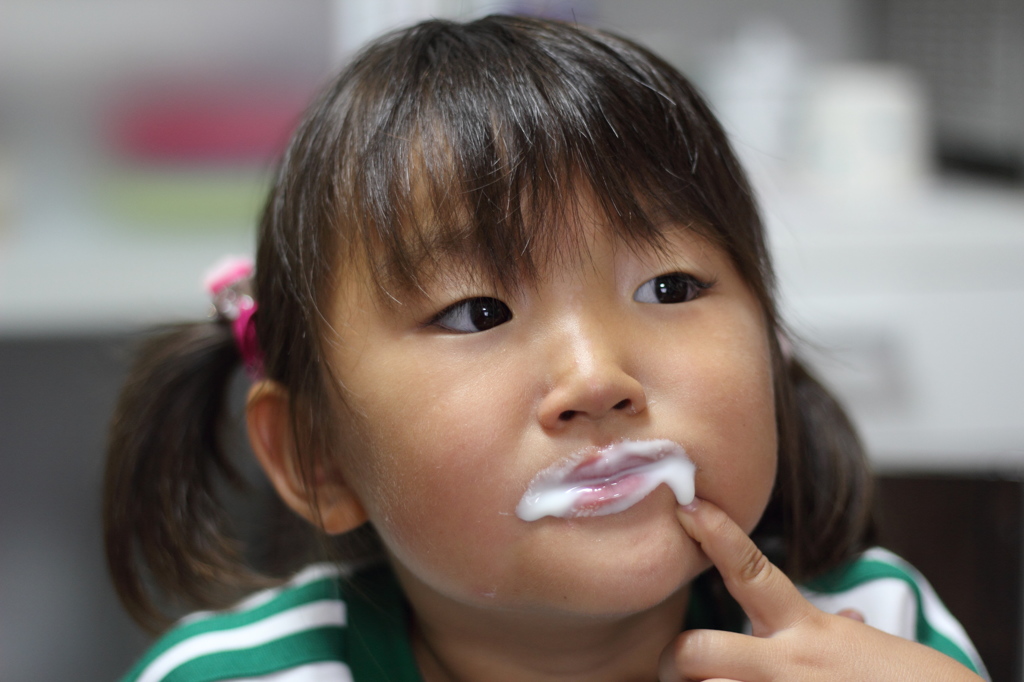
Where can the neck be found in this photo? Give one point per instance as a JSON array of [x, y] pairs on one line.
[[459, 643]]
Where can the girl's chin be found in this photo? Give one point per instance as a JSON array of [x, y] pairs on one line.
[[599, 566], [614, 565], [632, 590]]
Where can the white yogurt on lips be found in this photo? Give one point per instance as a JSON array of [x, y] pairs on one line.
[[596, 482]]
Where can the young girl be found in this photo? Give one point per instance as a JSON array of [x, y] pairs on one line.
[[502, 260]]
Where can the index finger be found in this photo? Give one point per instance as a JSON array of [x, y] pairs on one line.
[[767, 596]]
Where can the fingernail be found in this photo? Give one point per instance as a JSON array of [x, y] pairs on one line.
[[689, 508]]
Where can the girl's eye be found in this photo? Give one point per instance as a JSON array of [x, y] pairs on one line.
[[676, 287], [473, 315]]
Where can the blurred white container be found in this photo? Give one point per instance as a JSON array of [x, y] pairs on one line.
[[358, 21], [754, 84], [864, 131]]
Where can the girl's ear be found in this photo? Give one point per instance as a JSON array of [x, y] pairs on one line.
[[332, 505]]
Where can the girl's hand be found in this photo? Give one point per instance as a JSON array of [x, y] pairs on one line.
[[792, 640]]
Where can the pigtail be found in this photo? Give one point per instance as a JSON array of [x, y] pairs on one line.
[[165, 526], [826, 488]]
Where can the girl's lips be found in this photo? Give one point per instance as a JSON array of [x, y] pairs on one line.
[[595, 482], [601, 467]]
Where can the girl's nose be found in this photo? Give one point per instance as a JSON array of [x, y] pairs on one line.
[[590, 383]]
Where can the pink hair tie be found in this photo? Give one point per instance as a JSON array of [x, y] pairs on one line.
[[229, 283]]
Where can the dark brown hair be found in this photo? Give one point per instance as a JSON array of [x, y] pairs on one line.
[[448, 141]]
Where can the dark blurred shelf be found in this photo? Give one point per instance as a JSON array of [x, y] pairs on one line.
[[964, 534]]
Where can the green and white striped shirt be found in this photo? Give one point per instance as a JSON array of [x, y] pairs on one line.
[[893, 596], [323, 625]]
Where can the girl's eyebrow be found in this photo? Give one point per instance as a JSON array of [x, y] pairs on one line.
[[419, 259], [418, 268]]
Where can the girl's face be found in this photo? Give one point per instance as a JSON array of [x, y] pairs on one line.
[[458, 398]]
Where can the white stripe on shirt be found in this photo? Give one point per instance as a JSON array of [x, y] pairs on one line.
[[888, 604], [310, 574], [324, 671], [937, 615], [289, 622]]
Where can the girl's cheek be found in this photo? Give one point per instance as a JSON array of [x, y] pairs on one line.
[[725, 405], [437, 480]]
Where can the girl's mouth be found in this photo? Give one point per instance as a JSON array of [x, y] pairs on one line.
[[600, 481]]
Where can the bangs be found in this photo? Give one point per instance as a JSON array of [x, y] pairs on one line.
[[486, 136]]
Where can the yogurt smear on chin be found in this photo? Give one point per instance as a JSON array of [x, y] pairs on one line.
[[608, 480]]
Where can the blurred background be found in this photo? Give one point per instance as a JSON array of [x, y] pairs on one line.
[[885, 139]]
